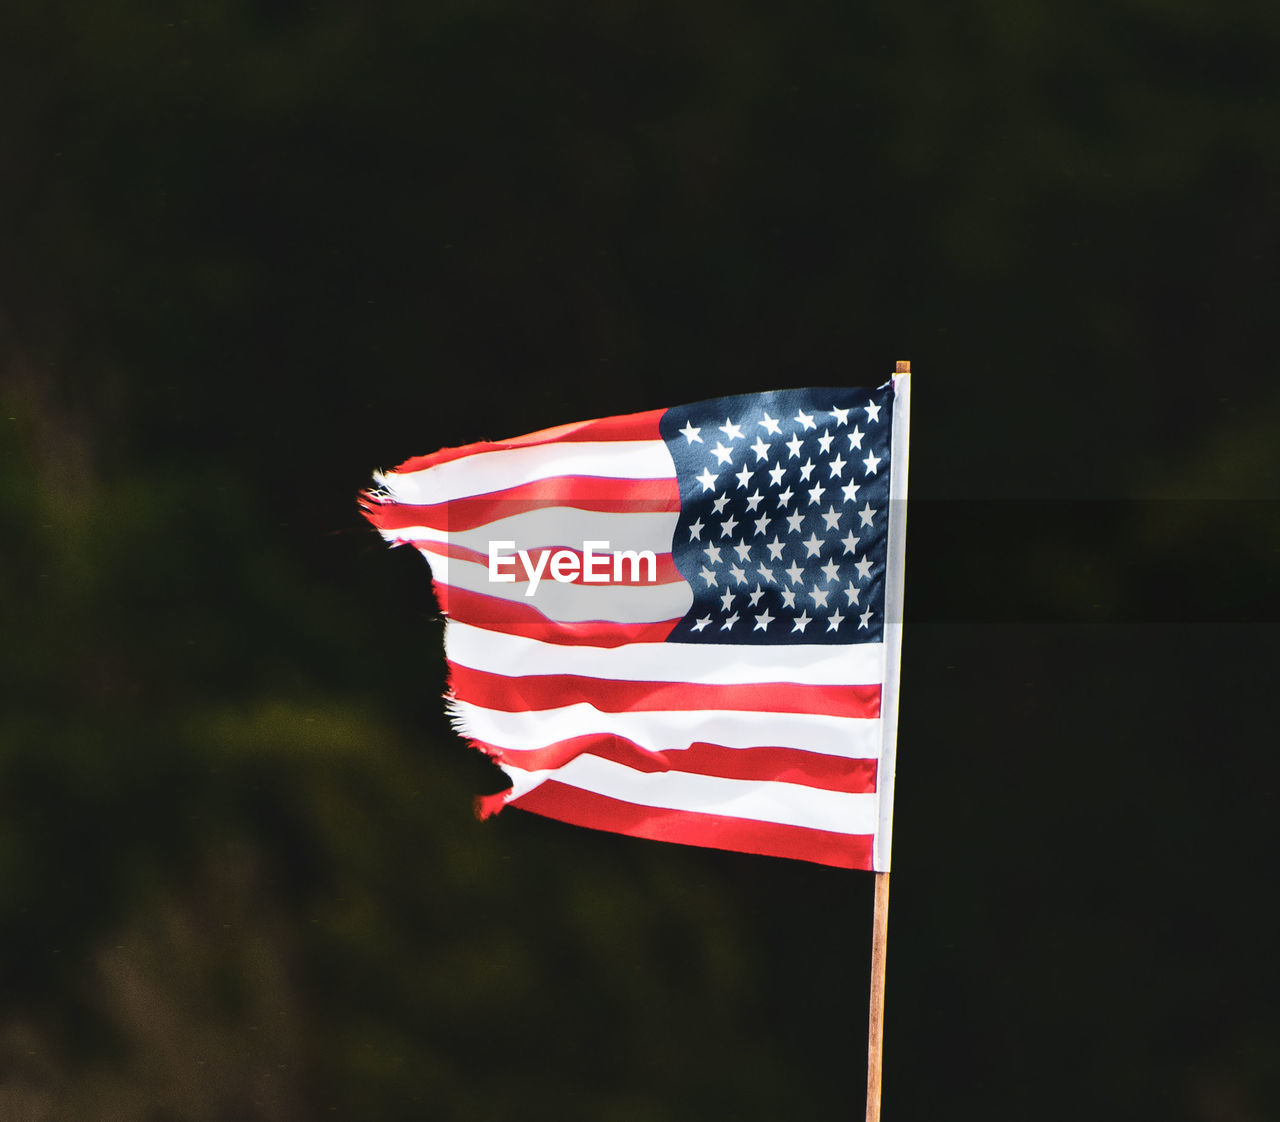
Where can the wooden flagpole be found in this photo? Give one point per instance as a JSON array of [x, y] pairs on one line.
[[879, 947], [875, 1030]]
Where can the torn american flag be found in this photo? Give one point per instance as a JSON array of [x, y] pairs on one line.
[[682, 624]]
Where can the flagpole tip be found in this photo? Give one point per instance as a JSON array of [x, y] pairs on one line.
[[901, 367]]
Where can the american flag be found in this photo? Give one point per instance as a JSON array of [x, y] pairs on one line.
[[681, 624]]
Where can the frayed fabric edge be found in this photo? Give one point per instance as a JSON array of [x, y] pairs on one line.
[[485, 806]]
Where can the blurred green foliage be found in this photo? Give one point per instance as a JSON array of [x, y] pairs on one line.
[[253, 250]]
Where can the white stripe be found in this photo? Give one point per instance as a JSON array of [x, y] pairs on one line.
[[787, 804], [485, 472], [720, 664], [570, 603], [557, 526], [854, 738]]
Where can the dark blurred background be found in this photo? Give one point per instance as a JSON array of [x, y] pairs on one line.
[[251, 251]]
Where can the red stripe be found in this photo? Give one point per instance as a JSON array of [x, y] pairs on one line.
[[770, 765], [632, 426], [711, 831], [609, 496], [665, 571], [510, 618], [549, 691]]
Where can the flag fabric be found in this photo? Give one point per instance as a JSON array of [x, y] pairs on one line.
[[682, 624]]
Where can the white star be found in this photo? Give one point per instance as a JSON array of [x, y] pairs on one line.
[[832, 518], [831, 570], [762, 524], [726, 527], [691, 434], [865, 618], [785, 497], [702, 623], [788, 598], [738, 574], [841, 415], [835, 621], [730, 430], [695, 531], [873, 411], [795, 573], [867, 514], [754, 597], [720, 504], [713, 554], [837, 468], [743, 476], [855, 439], [743, 551], [753, 500], [761, 449], [708, 575], [806, 470], [805, 419], [793, 446], [864, 568], [813, 545], [872, 462], [819, 596], [767, 574], [815, 495], [851, 543], [729, 622], [763, 620], [769, 425], [726, 600], [722, 454], [824, 441], [775, 474], [707, 480], [793, 522], [853, 592], [850, 490], [801, 622], [775, 548]]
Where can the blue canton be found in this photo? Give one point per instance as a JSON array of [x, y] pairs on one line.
[[784, 515]]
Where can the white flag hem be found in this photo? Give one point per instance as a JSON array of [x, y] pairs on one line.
[[895, 572]]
